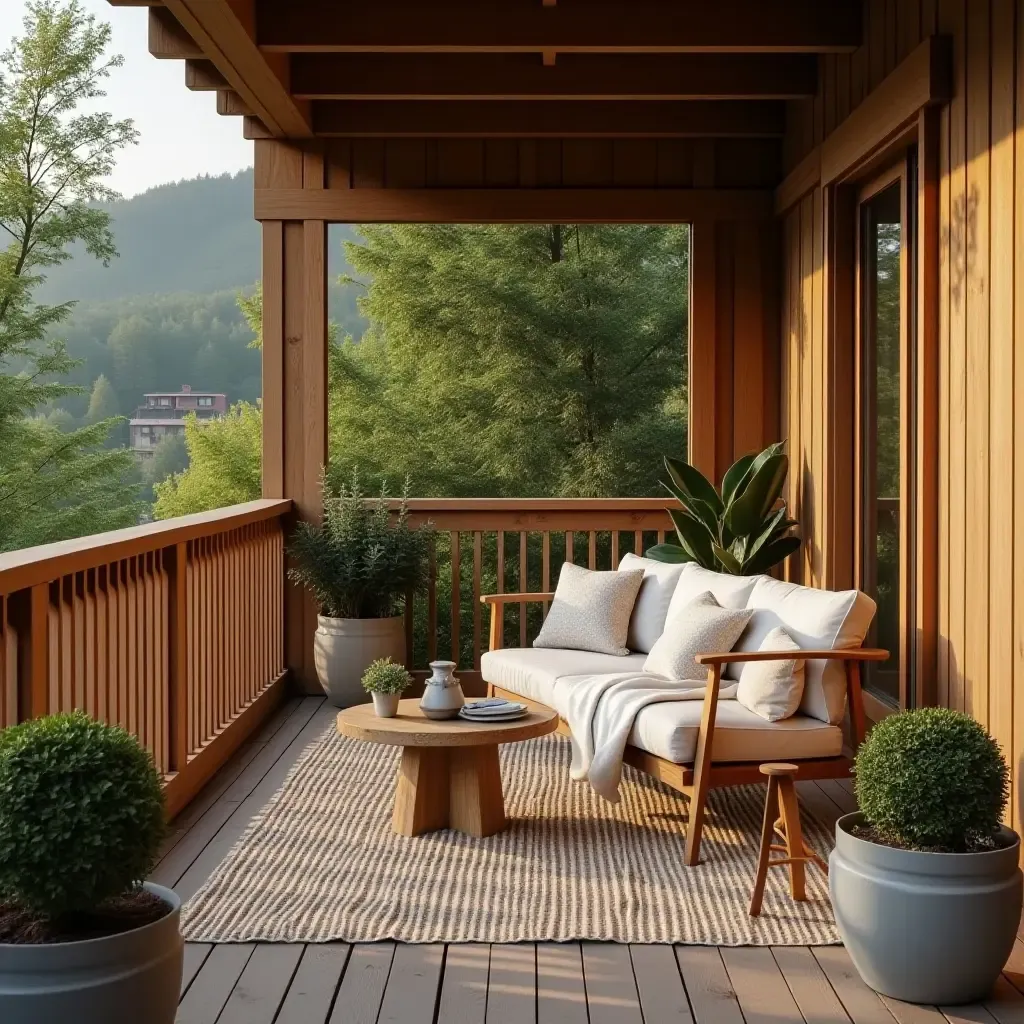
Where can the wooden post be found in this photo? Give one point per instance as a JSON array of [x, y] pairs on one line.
[[703, 343], [294, 369], [30, 617]]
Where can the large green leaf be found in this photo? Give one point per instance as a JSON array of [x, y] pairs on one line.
[[734, 476], [747, 512], [771, 528], [668, 553], [728, 560], [691, 481], [693, 537], [771, 554]]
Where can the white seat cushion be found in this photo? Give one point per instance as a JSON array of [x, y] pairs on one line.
[[816, 620], [669, 730], [647, 621], [531, 671]]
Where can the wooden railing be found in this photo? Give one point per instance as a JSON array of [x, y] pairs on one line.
[[174, 630], [512, 545]]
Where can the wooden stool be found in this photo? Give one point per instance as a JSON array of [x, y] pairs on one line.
[[782, 800]]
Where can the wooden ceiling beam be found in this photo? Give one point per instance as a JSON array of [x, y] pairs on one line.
[[167, 39], [230, 104], [203, 76], [522, 76], [605, 26], [225, 30], [497, 119]]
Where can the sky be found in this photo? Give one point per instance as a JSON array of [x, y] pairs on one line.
[[182, 135]]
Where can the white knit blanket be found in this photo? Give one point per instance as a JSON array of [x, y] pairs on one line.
[[600, 711]]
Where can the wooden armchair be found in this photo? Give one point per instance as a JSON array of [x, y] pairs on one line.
[[695, 780]]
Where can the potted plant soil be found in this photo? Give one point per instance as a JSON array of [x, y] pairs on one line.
[[83, 939], [924, 879], [384, 681], [359, 564]]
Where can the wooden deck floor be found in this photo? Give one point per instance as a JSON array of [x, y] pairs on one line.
[[574, 983]]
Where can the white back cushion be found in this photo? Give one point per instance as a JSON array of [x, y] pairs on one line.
[[729, 591], [816, 620], [647, 622]]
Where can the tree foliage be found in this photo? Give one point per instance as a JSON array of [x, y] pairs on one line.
[[53, 160]]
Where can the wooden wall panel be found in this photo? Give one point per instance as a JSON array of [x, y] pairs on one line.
[[976, 276]]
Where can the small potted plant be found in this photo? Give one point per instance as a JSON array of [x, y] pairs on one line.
[[924, 879], [359, 564], [83, 938], [385, 681]]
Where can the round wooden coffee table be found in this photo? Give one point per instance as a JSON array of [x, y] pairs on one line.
[[449, 776]]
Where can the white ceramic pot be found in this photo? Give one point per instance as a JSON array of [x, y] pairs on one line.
[[344, 648], [386, 704], [442, 694], [116, 979]]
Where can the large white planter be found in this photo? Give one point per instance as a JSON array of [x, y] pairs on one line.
[[930, 928], [344, 648], [117, 979]]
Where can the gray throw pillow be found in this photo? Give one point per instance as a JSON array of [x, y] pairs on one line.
[[590, 611], [700, 627]]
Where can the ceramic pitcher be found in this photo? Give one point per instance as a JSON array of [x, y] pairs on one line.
[[442, 695]]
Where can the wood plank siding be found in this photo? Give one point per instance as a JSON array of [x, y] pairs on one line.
[[970, 547]]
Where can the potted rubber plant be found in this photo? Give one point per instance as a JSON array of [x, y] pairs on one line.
[[742, 528], [359, 564], [83, 938], [384, 681], [924, 878]]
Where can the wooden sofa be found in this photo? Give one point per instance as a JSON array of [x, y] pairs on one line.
[[699, 773]]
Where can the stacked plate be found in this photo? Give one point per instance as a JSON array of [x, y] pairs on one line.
[[494, 709]]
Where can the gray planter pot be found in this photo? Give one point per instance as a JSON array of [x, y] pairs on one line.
[[119, 979], [925, 927], [344, 648]]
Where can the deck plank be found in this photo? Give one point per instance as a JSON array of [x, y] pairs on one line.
[[612, 997], [712, 997], [818, 803], [561, 991], [863, 1005], [973, 1013], [762, 992], [912, 1013], [182, 856], [410, 996], [311, 992], [260, 991], [195, 956], [242, 813], [209, 991], [660, 985], [464, 986], [1005, 1003], [1013, 971], [814, 995], [362, 986], [512, 988], [845, 800]]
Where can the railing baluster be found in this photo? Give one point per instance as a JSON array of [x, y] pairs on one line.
[[545, 572], [638, 542], [524, 587], [456, 595], [569, 541], [477, 562], [592, 550], [615, 549], [432, 599]]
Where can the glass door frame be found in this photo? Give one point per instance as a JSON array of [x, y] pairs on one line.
[[903, 173]]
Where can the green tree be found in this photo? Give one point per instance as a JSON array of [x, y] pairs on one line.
[[170, 456], [102, 401], [225, 458], [542, 360], [53, 160]]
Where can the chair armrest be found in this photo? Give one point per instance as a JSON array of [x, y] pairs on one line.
[[850, 654], [495, 599]]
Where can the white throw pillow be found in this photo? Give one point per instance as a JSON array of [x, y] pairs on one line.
[[647, 622], [729, 591], [701, 627], [772, 689], [590, 610]]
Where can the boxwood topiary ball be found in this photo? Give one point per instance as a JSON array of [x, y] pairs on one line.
[[932, 778], [81, 814]]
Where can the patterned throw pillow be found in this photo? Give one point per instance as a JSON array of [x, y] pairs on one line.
[[773, 689], [700, 627], [591, 610]]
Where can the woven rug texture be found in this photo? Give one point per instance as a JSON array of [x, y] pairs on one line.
[[321, 862]]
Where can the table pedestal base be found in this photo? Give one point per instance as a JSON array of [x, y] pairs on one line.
[[449, 787]]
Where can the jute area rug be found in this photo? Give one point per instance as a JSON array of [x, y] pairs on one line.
[[321, 863]]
